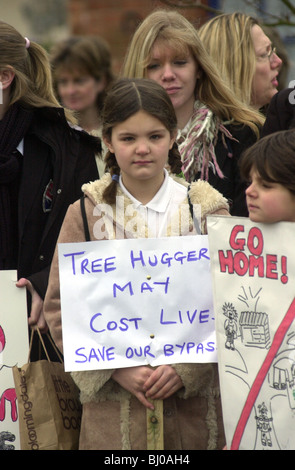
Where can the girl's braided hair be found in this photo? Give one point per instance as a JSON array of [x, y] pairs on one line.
[[126, 98]]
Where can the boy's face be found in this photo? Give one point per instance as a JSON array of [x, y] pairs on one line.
[[269, 202]]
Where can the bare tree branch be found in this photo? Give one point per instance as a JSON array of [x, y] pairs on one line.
[[191, 4], [270, 19], [289, 5]]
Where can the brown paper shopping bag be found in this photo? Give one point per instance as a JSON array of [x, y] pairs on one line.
[[48, 405]]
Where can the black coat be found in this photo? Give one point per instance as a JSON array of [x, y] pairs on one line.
[[57, 161], [231, 186], [280, 114]]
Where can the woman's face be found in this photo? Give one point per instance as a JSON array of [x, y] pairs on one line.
[[268, 65], [78, 91], [177, 72]]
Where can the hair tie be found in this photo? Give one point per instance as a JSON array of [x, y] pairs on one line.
[[28, 43], [115, 178]]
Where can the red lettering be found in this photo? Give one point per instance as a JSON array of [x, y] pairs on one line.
[[284, 277], [241, 263], [226, 262], [256, 263], [2, 339], [9, 395], [237, 244], [271, 267], [255, 233]]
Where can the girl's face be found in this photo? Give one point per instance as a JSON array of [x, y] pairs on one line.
[[141, 145], [268, 65], [177, 73], [78, 91], [269, 202]]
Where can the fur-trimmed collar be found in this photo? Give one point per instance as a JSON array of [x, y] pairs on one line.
[[128, 221], [200, 192]]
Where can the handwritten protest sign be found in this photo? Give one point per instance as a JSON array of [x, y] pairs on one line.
[[14, 349], [133, 302], [253, 276]]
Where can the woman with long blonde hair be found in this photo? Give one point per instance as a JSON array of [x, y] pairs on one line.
[[214, 126], [244, 56]]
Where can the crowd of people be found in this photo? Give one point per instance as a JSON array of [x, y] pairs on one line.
[[194, 117]]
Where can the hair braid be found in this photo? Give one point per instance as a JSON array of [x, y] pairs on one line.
[[109, 194]]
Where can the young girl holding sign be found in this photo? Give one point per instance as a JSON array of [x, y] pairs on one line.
[[269, 166], [139, 128]]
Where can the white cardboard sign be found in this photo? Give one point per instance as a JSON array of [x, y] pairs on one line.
[[14, 350], [253, 278], [136, 301]]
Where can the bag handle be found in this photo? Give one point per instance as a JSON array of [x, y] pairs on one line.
[[43, 344], [84, 217]]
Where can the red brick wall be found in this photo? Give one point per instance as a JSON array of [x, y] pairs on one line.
[[116, 20]]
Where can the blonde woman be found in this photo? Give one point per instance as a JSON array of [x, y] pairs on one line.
[[214, 126], [43, 163], [244, 56]]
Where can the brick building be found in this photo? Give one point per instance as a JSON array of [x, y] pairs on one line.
[[116, 20]]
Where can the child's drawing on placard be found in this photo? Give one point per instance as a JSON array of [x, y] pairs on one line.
[[264, 425], [251, 326], [230, 325], [253, 274], [13, 350], [250, 329]]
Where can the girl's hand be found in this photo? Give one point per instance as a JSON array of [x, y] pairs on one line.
[[133, 380], [36, 317], [162, 383]]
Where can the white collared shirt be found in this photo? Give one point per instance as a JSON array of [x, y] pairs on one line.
[[158, 212]]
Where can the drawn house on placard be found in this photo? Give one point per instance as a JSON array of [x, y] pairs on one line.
[[254, 329]]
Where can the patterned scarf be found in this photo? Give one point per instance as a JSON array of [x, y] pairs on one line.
[[196, 143]]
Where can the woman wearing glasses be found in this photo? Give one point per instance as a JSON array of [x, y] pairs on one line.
[[244, 55]]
